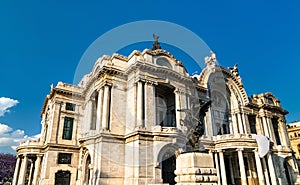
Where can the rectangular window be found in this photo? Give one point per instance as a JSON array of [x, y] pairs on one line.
[[276, 130], [68, 128], [64, 158], [252, 123], [70, 106], [93, 114]]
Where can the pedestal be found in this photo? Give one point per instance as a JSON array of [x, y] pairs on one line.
[[195, 168]]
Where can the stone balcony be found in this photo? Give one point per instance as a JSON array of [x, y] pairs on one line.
[[31, 143], [30, 146], [232, 136]]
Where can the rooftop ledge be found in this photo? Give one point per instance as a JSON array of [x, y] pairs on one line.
[[30, 143]]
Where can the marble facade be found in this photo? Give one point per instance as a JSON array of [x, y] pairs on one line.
[[128, 119]]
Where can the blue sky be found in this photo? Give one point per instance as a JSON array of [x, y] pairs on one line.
[[41, 43]]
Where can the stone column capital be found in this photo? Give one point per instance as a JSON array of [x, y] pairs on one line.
[[25, 155], [139, 79], [211, 151], [104, 84], [150, 82], [39, 155], [100, 88], [282, 120], [58, 102], [255, 150], [178, 90], [239, 149], [220, 150]]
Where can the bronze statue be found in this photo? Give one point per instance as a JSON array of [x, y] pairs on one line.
[[156, 44]]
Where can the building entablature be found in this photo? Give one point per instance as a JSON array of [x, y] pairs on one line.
[[244, 110], [293, 129], [121, 65], [30, 147], [234, 144], [150, 135], [73, 92], [271, 113], [282, 150], [156, 71], [267, 101], [274, 109], [98, 137]]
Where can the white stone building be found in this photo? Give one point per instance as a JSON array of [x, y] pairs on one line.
[[130, 117]]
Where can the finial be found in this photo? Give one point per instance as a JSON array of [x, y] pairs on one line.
[[212, 59], [234, 70], [156, 44], [213, 56]]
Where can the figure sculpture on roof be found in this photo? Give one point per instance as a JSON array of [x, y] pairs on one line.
[[156, 44]]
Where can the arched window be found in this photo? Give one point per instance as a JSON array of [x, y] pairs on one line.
[[270, 101], [163, 62], [220, 113]]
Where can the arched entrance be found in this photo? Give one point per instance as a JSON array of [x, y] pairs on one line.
[[87, 170], [167, 163], [62, 178], [168, 168]]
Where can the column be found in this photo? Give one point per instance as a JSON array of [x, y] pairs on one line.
[[261, 130], [31, 172], [89, 113], [177, 107], [149, 107], [217, 167], [55, 121], [37, 169], [97, 166], [91, 174], [99, 109], [265, 125], [240, 122], [246, 122], [266, 173], [231, 171], [283, 132], [242, 167], [16, 173], [210, 152], [271, 130], [259, 168], [235, 124], [272, 169], [230, 126], [222, 167], [208, 118], [139, 105], [23, 169], [105, 112]]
